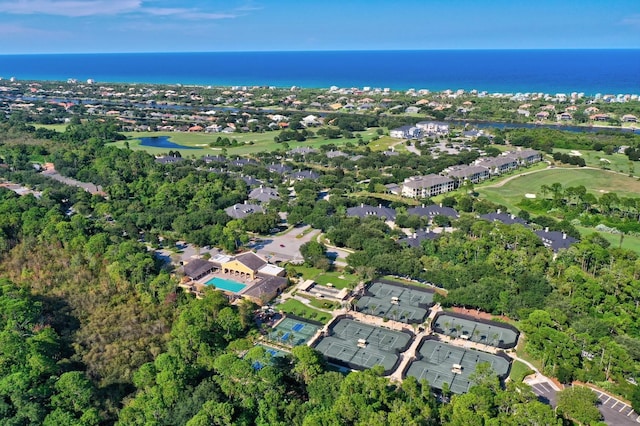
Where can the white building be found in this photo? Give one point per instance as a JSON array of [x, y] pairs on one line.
[[426, 186]]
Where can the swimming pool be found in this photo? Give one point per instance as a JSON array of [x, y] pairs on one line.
[[226, 285]]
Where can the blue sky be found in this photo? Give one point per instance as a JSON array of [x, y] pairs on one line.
[[69, 26]]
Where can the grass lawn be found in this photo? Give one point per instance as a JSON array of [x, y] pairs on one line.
[[295, 307], [57, 127], [596, 182], [629, 242], [519, 370], [616, 162], [339, 279], [249, 142], [321, 304], [384, 143]]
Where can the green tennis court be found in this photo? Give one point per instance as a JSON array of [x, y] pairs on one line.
[[396, 301], [359, 346], [293, 331], [487, 332], [440, 363]]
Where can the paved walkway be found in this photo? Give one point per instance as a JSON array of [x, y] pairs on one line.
[[91, 188]]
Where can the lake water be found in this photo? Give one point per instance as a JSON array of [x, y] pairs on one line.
[[162, 142]]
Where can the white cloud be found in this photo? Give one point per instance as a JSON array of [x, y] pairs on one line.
[[71, 8], [83, 8], [632, 20], [182, 13], [11, 31]]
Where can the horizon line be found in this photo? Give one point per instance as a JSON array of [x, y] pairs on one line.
[[331, 51]]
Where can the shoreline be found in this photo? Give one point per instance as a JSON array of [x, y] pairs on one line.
[[497, 71]]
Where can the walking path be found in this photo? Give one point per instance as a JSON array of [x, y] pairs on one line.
[[91, 188], [510, 178], [407, 356]]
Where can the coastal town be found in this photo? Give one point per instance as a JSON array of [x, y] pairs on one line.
[[242, 109], [415, 234]]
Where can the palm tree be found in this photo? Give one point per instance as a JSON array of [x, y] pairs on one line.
[[289, 339], [544, 190], [458, 329], [494, 338]]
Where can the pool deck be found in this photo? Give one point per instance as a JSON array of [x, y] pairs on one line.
[[248, 283]]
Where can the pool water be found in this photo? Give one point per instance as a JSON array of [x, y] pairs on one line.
[[226, 285]]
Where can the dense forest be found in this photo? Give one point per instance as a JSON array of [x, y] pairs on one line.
[[94, 330]]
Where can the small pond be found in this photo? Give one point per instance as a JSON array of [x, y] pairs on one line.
[[162, 142]]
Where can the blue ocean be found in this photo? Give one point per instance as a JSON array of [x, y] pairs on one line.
[[507, 71]]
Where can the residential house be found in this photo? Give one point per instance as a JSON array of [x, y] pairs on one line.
[[302, 175], [406, 132], [310, 120], [426, 186], [168, 159], [507, 219], [214, 159], [416, 239], [432, 211], [335, 154], [555, 240], [302, 150], [628, 118], [241, 162], [264, 194], [240, 211], [433, 127], [281, 169], [251, 181], [362, 211]]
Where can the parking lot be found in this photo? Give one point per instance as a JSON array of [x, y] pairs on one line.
[[614, 411], [285, 247], [545, 393]]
